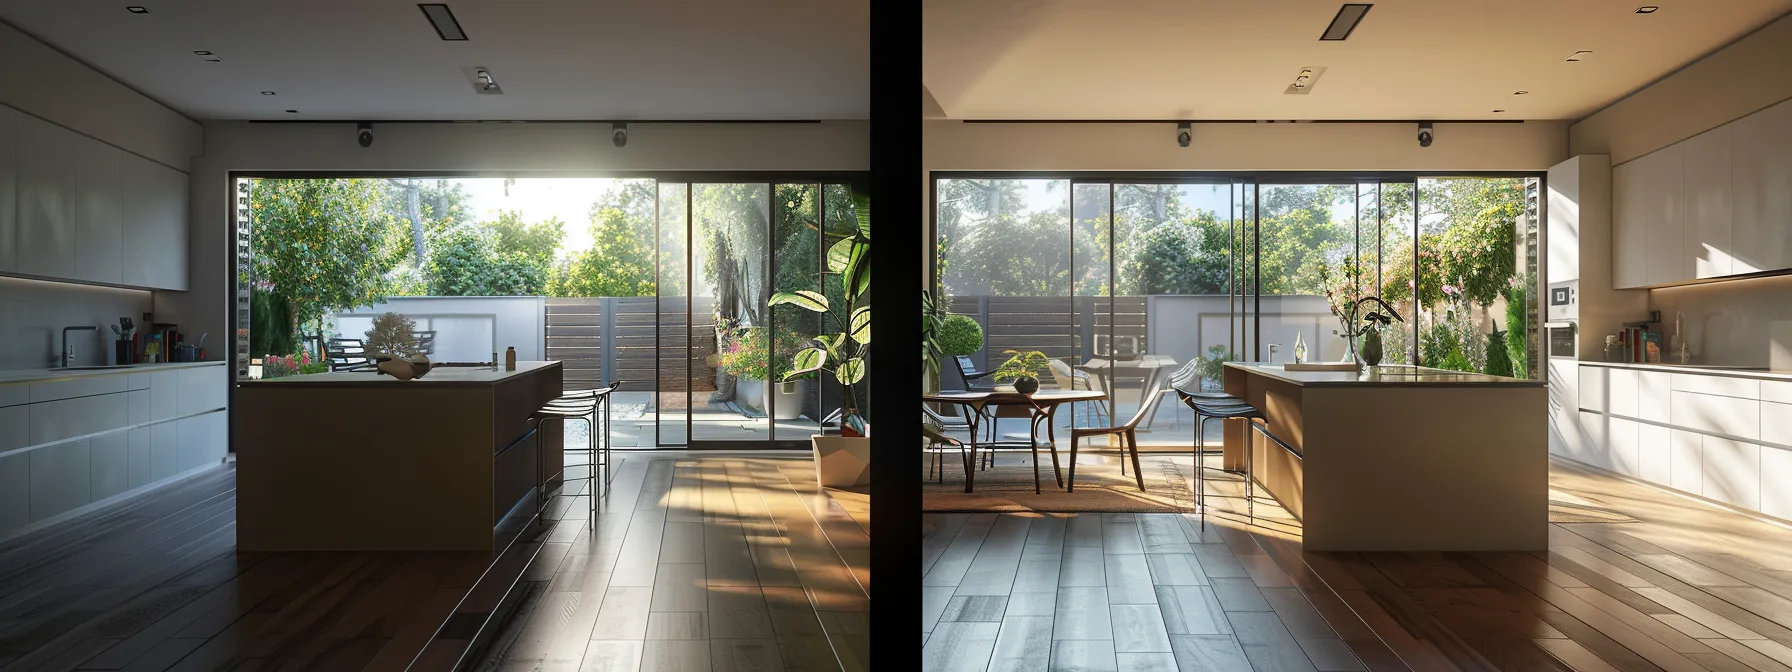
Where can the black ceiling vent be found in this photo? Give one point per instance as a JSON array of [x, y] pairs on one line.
[[443, 19], [1348, 16]]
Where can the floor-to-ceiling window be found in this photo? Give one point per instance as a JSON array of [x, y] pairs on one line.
[[1103, 272], [657, 285]]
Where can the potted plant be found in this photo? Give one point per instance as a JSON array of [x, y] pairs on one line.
[[1369, 328], [746, 357], [842, 460], [1023, 370]]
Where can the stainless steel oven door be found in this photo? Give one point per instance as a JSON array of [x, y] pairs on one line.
[[1561, 338]]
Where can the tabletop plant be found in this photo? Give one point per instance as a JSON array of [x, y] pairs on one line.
[[1368, 326], [1023, 369], [843, 353]]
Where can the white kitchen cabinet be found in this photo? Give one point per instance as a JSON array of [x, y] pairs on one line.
[[1592, 388], [1654, 457], [15, 427], [1777, 391], [1732, 471], [1723, 386], [9, 193], [80, 416], [1654, 395], [109, 465], [1630, 252], [201, 440], [1709, 198], [15, 491], [1718, 415], [1594, 449], [164, 442], [1665, 207], [166, 220], [1761, 160], [86, 386], [1776, 424], [1776, 488], [99, 248], [60, 479], [202, 388], [138, 469], [1621, 392], [1621, 439], [1686, 460], [164, 395], [47, 159]]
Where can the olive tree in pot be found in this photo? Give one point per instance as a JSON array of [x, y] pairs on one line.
[[842, 459]]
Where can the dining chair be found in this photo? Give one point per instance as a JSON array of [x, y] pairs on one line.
[[1071, 379], [937, 443], [1129, 443]]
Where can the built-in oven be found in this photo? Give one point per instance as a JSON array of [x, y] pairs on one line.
[[1560, 337], [1564, 301]]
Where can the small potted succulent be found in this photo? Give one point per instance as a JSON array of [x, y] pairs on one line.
[[1023, 370]]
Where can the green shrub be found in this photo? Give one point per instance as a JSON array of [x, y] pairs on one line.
[[1517, 301], [960, 335], [1499, 361]]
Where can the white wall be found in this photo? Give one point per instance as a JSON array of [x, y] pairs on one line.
[[468, 328], [516, 148], [1746, 76]]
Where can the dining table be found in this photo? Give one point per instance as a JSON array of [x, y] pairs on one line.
[[1043, 407]]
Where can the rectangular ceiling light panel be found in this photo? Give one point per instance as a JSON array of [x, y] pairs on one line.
[[1348, 16], [443, 20]]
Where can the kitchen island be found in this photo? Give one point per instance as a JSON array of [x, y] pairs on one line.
[[1400, 458], [357, 461]]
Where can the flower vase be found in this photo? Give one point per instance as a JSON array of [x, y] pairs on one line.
[[1026, 385], [1371, 350]]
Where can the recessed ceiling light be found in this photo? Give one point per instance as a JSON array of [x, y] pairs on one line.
[[1647, 9], [1348, 16], [1578, 56], [292, 111], [137, 10], [208, 56], [443, 19], [1498, 111], [267, 93], [1519, 93]]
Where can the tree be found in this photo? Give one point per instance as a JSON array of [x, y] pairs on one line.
[[538, 242], [1189, 256], [321, 244], [619, 263], [466, 261]]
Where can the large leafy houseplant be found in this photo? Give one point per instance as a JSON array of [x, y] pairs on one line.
[[842, 353]]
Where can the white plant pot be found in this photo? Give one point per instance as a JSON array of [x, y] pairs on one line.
[[842, 461], [757, 394]]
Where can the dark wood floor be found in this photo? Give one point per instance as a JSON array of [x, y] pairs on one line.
[[699, 564], [156, 583], [1687, 587]]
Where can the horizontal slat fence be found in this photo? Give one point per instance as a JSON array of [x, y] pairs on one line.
[[1061, 327], [592, 337]]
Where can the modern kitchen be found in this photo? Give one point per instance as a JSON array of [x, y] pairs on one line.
[[1669, 313]]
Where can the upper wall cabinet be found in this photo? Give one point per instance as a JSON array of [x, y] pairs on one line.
[[1709, 195], [45, 242], [75, 208], [1715, 205], [1761, 145]]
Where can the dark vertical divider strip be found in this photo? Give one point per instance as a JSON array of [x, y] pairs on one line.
[[895, 44]]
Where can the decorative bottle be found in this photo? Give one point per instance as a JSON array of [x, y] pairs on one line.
[[510, 358], [1300, 348]]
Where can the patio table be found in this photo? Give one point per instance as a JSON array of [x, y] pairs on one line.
[[1154, 367], [1042, 404]]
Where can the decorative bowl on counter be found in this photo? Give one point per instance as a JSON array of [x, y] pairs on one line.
[[403, 369]]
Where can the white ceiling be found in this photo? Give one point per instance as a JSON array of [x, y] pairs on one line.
[[1232, 59], [554, 59]]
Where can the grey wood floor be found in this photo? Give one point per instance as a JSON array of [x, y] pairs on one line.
[[698, 564]]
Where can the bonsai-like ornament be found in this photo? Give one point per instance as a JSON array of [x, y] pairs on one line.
[[403, 369]]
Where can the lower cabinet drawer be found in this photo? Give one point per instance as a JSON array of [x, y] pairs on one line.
[[1718, 415], [1776, 423], [1732, 471]]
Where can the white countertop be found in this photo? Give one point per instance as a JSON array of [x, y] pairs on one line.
[[1762, 373], [439, 375], [25, 376]]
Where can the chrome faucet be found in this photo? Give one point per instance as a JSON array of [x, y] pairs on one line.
[[68, 353], [1680, 345]]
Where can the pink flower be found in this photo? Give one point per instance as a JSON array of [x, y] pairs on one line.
[[1450, 290]]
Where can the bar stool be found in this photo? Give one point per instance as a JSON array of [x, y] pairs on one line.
[[1223, 409], [578, 405]]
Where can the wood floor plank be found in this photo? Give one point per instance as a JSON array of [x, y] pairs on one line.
[[1219, 653], [1024, 644], [1083, 656], [1139, 628], [1082, 614]]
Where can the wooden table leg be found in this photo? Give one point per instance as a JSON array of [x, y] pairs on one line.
[[970, 469], [1051, 434]]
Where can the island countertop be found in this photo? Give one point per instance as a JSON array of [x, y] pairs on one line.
[[1383, 376], [437, 377]]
